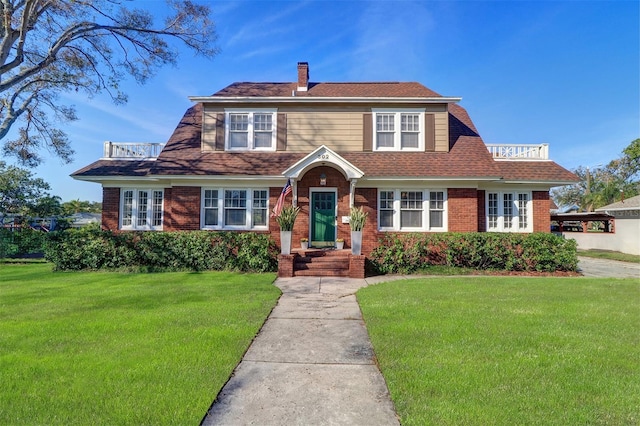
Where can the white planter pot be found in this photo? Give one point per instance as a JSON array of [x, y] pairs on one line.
[[285, 242], [304, 245], [356, 242], [339, 245]]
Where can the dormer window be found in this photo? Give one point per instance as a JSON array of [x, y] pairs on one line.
[[399, 130], [251, 130]]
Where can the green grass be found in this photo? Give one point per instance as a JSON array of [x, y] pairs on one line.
[[112, 349], [507, 351], [610, 255]]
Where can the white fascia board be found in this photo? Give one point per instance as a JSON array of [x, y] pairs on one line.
[[428, 179], [320, 99], [101, 179], [538, 182]]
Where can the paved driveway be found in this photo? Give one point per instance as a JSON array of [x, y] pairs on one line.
[[591, 267]]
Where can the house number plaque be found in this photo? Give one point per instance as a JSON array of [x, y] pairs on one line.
[[323, 156]]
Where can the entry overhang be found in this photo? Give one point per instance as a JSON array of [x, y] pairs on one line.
[[319, 157]]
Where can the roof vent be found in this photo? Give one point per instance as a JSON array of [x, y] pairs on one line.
[[303, 76]]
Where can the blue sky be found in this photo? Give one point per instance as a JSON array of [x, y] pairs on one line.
[[559, 72]]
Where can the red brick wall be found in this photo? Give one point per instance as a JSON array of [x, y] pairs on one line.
[[368, 199], [541, 212], [110, 208], [182, 208], [463, 209]]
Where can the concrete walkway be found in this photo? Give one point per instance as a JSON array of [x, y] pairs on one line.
[[311, 364]]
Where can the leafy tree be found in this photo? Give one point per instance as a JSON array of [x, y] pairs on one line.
[[20, 192], [605, 185], [49, 47], [47, 206], [77, 206]]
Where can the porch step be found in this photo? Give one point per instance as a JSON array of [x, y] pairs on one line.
[[321, 263]]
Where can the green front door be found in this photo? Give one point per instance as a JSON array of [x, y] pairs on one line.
[[323, 219]]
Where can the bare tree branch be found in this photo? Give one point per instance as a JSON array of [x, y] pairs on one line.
[[50, 47]]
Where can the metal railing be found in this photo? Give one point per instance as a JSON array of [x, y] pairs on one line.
[[519, 152], [132, 150]]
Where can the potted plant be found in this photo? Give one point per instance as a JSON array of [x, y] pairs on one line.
[[304, 243], [357, 219], [286, 219], [340, 243]]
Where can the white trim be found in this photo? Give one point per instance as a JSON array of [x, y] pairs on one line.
[[248, 225], [135, 209], [500, 225], [250, 131], [320, 157], [426, 210], [397, 131]]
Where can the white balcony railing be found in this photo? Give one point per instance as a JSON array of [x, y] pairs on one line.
[[132, 150], [519, 152]]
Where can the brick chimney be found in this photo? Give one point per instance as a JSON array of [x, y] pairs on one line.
[[303, 76]]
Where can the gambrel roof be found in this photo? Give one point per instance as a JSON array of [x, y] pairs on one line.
[[467, 158]]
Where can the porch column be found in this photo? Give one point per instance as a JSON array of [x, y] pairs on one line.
[[352, 192], [294, 193]]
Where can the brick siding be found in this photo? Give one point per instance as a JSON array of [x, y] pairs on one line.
[[541, 211], [110, 208], [463, 209]]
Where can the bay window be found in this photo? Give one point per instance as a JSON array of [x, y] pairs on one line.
[[412, 210], [141, 209]]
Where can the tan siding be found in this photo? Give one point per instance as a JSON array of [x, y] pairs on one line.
[[340, 131], [209, 131], [442, 131]]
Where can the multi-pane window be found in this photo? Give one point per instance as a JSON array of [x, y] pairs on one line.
[[410, 130], [235, 207], [141, 209], [399, 130], [492, 210], [242, 208], [523, 200], [249, 130], [238, 130], [411, 210], [260, 202], [385, 130], [210, 207], [386, 209], [509, 211], [436, 209]]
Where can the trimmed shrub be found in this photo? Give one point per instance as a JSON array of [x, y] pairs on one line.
[[92, 248], [540, 252]]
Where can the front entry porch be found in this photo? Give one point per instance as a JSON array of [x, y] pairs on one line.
[[321, 263]]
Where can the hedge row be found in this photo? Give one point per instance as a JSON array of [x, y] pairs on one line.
[[21, 241], [541, 252], [92, 248]]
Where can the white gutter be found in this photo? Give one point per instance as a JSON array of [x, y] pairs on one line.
[[321, 99]]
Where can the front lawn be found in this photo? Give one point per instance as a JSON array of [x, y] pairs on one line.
[[113, 348], [505, 351]]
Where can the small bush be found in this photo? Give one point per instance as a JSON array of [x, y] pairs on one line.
[[540, 252], [92, 248]]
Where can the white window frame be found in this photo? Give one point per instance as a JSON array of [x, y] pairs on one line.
[[148, 214], [397, 128], [220, 203], [516, 212], [250, 131], [426, 210]]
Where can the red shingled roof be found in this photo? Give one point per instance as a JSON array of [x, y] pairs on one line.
[[366, 90]]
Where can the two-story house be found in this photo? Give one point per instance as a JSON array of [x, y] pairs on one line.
[[411, 157]]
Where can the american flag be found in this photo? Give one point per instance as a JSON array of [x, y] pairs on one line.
[[280, 203]]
